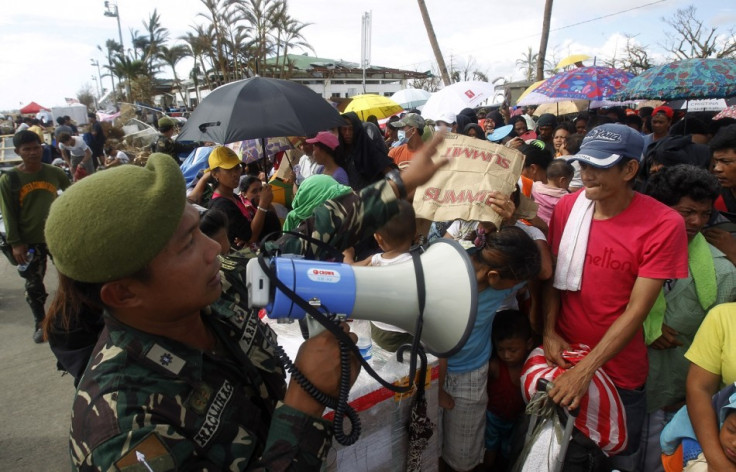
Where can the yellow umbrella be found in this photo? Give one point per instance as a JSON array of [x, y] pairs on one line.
[[565, 107], [570, 60], [530, 89], [371, 104]]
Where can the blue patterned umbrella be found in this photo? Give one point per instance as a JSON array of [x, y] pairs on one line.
[[585, 83], [688, 79]]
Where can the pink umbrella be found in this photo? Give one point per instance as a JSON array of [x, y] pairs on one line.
[[729, 112]]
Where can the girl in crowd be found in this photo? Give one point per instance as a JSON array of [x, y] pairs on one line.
[[325, 154]]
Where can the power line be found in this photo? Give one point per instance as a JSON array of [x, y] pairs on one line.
[[519, 38], [608, 16]]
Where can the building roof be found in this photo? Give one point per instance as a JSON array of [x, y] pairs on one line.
[[303, 65]]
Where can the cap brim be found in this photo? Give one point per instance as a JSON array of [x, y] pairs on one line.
[[600, 160]]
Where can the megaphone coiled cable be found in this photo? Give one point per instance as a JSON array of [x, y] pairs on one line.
[[340, 405]]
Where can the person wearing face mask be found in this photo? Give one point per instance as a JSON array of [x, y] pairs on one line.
[[445, 122], [410, 127]]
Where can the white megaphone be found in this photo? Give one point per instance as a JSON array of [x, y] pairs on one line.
[[386, 294]]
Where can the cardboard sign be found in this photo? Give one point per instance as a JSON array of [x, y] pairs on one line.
[[460, 190]]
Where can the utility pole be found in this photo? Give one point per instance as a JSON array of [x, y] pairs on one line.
[[365, 50], [433, 42], [545, 38]]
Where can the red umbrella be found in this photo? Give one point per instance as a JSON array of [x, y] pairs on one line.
[[31, 108]]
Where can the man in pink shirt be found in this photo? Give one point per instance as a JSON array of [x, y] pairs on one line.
[[601, 299]]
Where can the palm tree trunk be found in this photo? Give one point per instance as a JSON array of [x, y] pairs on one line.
[[545, 38], [434, 43]]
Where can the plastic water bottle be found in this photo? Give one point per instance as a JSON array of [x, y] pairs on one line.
[[362, 328], [29, 257]]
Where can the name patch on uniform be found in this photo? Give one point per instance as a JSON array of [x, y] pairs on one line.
[[166, 359], [214, 414]]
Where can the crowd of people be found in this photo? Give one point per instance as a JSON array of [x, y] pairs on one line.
[[630, 254]]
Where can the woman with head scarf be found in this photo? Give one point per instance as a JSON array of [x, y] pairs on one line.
[[365, 161], [474, 131], [313, 192]]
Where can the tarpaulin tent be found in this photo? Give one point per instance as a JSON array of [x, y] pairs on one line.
[[32, 108]]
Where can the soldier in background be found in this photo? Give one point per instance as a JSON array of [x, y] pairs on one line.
[[165, 143]]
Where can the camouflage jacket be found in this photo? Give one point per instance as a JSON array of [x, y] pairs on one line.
[[147, 400], [173, 148], [344, 221]]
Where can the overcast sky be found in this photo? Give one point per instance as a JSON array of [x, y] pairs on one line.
[[48, 44]]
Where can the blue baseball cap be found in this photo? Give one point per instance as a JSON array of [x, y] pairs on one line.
[[607, 144]]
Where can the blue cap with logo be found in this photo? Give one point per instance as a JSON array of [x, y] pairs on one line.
[[607, 144]]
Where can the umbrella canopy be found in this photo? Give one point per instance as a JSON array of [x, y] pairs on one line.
[[259, 107], [372, 104], [691, 78], [585, 83], [562, 108], [729, 112], [570, 60], [526, 92], [455, 97], [32, 108], [411, 98]]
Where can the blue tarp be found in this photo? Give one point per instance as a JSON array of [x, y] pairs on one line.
[[196, 161]]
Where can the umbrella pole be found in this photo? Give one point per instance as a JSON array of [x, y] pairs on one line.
[[684, 129], [265, 157]]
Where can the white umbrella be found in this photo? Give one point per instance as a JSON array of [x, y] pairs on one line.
[[411, 98], [455, 97]]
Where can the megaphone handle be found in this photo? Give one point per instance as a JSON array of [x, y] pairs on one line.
[[313, 326]]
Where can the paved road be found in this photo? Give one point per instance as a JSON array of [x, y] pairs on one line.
[[35, 400]]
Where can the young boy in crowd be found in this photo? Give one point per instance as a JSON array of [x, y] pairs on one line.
[[395, 238], [546, 195], [508, 260], [512, 343]]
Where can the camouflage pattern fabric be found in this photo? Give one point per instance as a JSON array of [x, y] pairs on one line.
[[344, 221], [150, 403], [173, 148], [34, 275]]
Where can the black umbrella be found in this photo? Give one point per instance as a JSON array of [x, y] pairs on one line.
[[259, 107]]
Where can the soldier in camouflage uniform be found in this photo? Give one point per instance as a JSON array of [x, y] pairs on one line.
[[165, 144], [167, 390]]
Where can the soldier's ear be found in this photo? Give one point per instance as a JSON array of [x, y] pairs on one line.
[[119, 294]]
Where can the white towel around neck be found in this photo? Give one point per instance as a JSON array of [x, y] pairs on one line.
[[573, 245]]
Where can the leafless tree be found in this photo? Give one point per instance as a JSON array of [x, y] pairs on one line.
[[693, 39], [634, 58]]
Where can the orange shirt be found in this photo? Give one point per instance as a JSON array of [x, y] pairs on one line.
[[401, 155]]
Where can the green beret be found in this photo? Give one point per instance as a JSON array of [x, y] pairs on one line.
[[113, 223], [166, 121]]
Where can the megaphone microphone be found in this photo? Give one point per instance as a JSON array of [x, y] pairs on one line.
[[387, 294]]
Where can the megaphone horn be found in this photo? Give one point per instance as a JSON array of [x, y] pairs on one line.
[[386, 294]]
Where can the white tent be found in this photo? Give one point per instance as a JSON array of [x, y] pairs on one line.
[[77, 112]]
